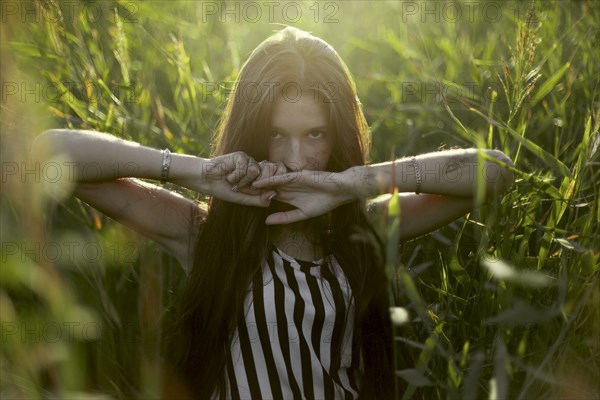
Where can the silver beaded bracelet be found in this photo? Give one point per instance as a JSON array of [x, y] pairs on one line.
[[417, 175], [166, 165]]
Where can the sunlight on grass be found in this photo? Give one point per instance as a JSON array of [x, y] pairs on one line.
[[503, 303], [502, 271]]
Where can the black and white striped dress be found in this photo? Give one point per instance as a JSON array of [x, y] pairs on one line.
[[296, 340]]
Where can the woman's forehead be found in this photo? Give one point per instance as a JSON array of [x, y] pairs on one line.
[[303, 112]]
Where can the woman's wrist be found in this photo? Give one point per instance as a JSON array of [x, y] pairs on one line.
[[186, 168], [367, 181], [357, 182]]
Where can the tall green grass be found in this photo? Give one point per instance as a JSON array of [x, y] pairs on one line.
[[503, 303]]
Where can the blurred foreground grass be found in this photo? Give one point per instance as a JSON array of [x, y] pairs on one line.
[[503, 303]]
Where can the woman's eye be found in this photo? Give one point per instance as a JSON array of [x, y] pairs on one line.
[[274, 135], [317, 134]]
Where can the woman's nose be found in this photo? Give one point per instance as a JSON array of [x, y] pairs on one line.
[[295, 158]]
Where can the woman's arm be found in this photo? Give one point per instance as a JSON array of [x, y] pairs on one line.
[[448, 182], [93, 157], [454, 173], [103, 171]]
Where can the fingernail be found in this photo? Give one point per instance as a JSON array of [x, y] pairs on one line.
[[235, 188], [271, 197]]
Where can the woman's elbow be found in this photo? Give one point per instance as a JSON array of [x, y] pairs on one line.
[[46, 140], [499, 178], [42, 145]]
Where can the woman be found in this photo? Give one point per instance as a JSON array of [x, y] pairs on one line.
[[285, 295]]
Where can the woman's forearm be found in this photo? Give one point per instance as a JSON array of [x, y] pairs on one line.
[[89, 156], [451, 173]]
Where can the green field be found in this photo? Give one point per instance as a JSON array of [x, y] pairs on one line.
[[503, 303]]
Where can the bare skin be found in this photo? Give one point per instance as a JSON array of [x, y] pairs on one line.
[[299, 148]]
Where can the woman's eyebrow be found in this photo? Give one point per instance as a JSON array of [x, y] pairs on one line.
[[319, 127]]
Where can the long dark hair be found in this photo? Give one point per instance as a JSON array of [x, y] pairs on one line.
[[233, 240]]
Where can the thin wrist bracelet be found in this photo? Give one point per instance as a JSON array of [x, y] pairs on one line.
[[166, 166], [417, 174]]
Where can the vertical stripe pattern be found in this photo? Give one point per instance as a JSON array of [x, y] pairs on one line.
[[296, 338]]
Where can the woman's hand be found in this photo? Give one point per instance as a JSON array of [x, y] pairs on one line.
[[228, 177], [313, 193]]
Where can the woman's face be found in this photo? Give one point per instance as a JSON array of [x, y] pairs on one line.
[[300, 135]]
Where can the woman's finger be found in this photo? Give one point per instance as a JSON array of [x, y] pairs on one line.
[[276, 180], [266, 169], [256, 200], [286, 217], [252, 171], [281, 169], [245, 171], [240, 166], [269, 169]]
